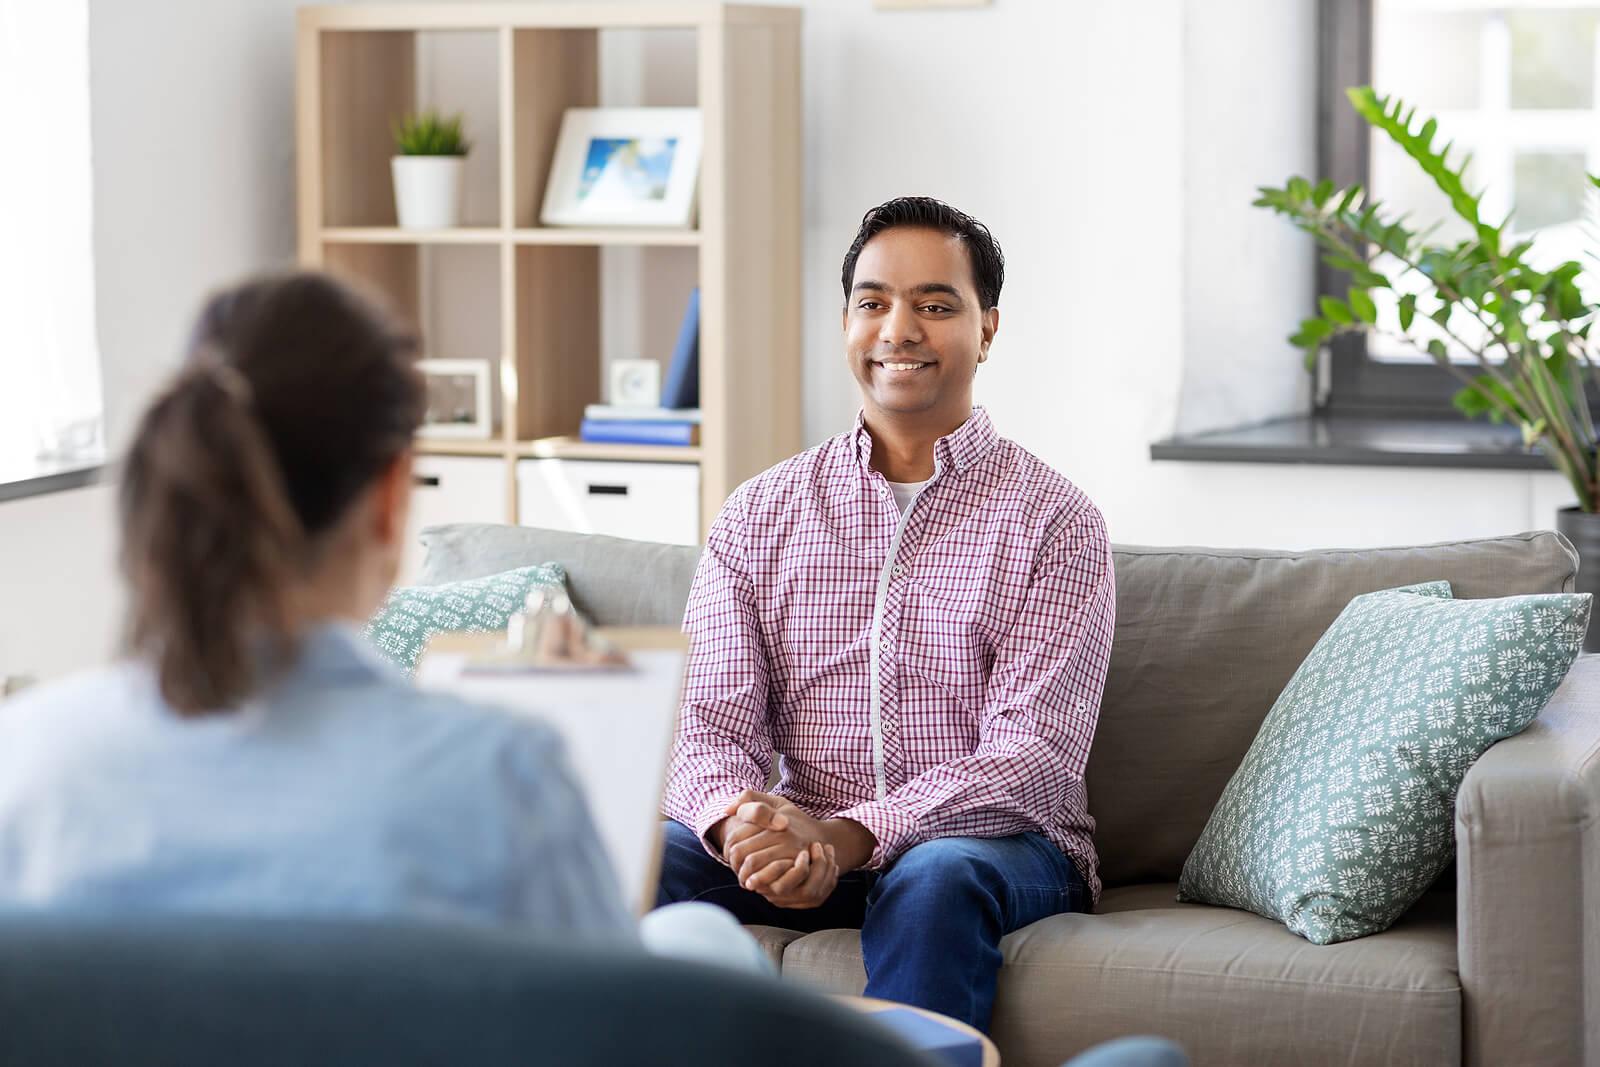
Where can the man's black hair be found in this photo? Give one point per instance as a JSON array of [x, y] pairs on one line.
[[988, 265]]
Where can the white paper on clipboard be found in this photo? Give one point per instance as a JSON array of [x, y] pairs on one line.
[[617, 725]]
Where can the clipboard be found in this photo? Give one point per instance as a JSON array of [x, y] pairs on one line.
[[618, 725]]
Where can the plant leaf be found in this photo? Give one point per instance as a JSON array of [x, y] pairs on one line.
[[1362, 306], [1408, 310], [1383, 113], [1312, 333]]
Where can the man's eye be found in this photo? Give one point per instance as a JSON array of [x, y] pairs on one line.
[[934, 307], [869, 305]]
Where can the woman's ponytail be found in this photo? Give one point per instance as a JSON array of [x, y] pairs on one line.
[[208, 541], [225, 489]]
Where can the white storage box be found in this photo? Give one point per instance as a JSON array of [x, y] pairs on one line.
[[452, 489], [643, 501]]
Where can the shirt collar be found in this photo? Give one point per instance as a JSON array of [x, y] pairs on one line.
[[959, 450], [336, 651]]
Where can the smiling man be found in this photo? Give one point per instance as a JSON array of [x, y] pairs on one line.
[[917, 616]]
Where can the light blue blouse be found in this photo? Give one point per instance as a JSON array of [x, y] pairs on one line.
[[340, 790]]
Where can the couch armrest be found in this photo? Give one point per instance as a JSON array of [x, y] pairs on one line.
[[1528, 886]]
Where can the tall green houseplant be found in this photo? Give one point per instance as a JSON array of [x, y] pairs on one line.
[[1529, 331]]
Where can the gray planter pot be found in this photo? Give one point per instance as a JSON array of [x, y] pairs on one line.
[[1583, 530]]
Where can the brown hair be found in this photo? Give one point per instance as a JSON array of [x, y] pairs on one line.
[[295, 393]]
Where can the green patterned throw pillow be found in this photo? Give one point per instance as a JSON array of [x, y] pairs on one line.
[[412, 614], [1343, 811]]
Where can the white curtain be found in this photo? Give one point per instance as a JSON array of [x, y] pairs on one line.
[[50, 399]]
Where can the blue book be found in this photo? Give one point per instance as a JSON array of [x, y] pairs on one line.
[[945, 1043], [681, 389], [639, 432]]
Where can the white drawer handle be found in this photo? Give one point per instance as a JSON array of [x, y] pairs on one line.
[[608, 490]]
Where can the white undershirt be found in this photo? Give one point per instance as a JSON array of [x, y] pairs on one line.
[[904, 492]]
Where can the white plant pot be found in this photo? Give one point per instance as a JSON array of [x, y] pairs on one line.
[[427, 191]]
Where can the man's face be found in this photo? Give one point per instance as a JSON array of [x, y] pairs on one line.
[[914, 330]]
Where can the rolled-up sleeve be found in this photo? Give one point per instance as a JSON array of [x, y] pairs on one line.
[[1039, 714], [724, 740]]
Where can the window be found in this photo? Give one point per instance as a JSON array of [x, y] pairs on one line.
[[1514, 82], [50, 399]]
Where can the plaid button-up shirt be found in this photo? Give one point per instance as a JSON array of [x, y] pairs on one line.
[[932, 674]]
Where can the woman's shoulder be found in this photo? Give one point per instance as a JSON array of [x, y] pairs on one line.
[[342, 678], [471, 717], [96, 691]]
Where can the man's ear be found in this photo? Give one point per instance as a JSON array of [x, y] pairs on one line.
[[991, 326], [391, 498]]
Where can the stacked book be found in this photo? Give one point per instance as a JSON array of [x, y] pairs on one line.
[[616, 425]]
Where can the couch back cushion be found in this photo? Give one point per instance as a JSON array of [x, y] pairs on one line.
[[613, 582], [1206, 640]]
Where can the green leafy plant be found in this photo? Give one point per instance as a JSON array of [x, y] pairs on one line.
[[428, 133], [1528, 330]]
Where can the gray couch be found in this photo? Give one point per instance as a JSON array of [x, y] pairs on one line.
[[1499, 964]]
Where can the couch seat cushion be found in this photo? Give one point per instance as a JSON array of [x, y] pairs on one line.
[[774, 941], [1230, 986]]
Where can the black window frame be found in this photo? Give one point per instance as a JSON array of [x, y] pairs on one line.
[[1356, 383]]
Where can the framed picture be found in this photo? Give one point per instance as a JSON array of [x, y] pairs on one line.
[[458, 398], [624, 167]]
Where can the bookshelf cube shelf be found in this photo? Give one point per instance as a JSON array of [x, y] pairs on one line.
[[536, 299]]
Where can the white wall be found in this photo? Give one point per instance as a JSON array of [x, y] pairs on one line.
[[60, 597], [1060, 126], [1247, 276], [192, 123], [192, 140], [1113, 148]]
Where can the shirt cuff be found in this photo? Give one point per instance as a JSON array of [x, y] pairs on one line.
[[713, 812], [895, 830]]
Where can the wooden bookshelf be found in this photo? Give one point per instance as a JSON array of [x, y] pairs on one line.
[[393, 235], [445, 446], [358, 67], [572, 448]]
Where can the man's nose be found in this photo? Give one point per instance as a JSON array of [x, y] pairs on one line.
[[901, 326]]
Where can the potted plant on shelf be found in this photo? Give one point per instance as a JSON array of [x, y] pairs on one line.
[[1527, 330], [430, 151]]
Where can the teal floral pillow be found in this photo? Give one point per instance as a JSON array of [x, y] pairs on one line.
[[1343, 811], [413, 614]]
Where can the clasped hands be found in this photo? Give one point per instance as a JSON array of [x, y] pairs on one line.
[[786, 855]]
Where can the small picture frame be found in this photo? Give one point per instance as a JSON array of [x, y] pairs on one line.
[[624, 167], [458, 399]]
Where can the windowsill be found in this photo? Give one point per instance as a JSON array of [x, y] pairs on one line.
[[48, 477], [1360, 440]]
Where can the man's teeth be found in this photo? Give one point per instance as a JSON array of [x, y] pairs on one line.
[[904, 366]]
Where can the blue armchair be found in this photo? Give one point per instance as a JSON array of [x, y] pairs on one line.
[[199, 992]]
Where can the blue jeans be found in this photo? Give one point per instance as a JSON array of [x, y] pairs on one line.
[[930, 925]]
